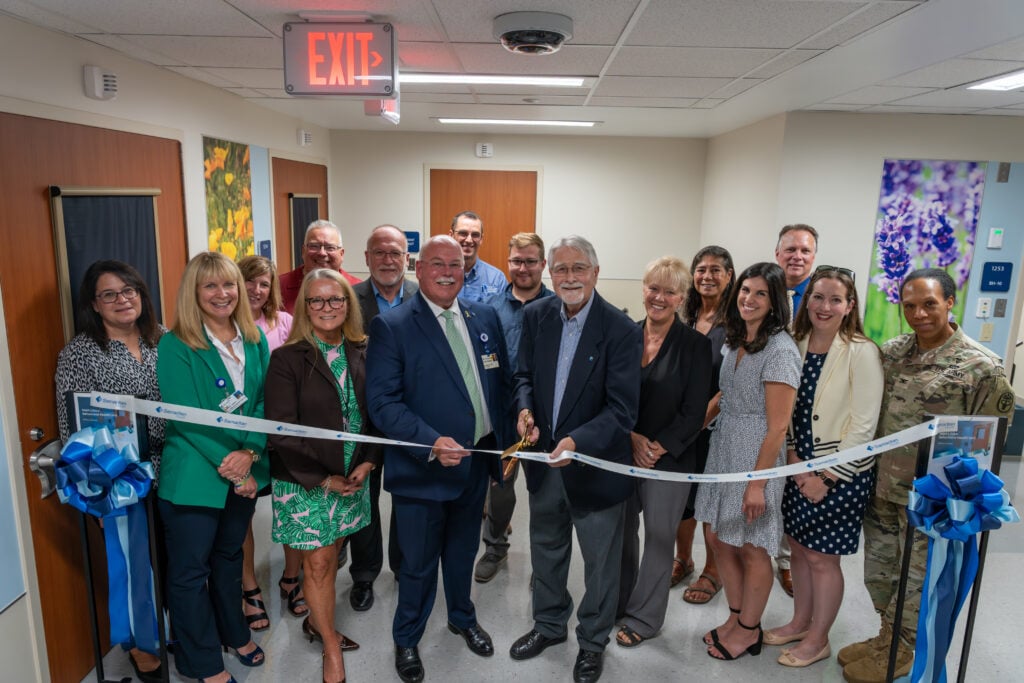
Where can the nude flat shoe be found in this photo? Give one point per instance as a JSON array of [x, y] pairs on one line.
[[771, 639], [787, 658]]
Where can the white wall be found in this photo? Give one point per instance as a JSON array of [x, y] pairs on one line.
[[741, 191], [41, 75], [634, 198]]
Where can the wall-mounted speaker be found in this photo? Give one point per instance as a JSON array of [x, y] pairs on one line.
[[99, 84]]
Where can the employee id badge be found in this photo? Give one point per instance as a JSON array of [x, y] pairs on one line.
[[233, 401], [490, 361]]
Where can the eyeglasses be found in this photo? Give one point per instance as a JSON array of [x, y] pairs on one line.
[[109, 296], [314, 247], [577, 269], [381, 255], [317, 303], [520, 262], [836, 269], [463, 234]]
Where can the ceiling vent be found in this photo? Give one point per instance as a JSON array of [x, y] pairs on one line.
[[532, 33], [99, 84]]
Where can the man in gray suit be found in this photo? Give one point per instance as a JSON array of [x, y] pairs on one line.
[[387, 257]]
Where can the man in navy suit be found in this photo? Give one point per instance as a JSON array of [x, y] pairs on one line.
[[577, 389], [437, 373]]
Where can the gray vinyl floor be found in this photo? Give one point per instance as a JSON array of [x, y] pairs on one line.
[[503, 607]]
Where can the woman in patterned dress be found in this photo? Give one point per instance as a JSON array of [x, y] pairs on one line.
[[759, 376], [824, 510], [318, 379], [115, 352]]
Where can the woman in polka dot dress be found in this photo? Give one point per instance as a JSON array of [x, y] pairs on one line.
[[836, 408]]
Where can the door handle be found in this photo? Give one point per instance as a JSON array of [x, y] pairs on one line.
[[42, 461]]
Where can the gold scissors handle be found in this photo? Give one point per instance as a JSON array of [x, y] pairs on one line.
[[509, 454]]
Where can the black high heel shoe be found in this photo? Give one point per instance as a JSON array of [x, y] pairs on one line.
[[753, 650], [152, 676], [296, 605], [249, 597], [713, 633], [312, 634]]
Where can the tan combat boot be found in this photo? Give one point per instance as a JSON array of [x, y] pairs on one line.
[[878, 643], [871, 669]]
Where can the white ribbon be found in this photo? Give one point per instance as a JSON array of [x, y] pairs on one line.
[[216, 418]]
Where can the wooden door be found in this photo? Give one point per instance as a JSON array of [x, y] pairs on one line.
[[38, 153], [506, 201], [293, 177]]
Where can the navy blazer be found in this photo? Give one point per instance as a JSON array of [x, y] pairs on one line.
[[601, 399], [368, 300], [415, 392]]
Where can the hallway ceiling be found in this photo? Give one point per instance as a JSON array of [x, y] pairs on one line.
[[691, 68]]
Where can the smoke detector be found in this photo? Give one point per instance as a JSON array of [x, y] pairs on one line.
[[532, 33]]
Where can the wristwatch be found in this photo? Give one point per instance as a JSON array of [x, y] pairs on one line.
[[830, 483], [254, 454]]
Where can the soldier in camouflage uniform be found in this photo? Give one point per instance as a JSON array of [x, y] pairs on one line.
[[936, 370]]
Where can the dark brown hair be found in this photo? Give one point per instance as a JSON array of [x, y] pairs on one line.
[[89, 320], [778, 313]]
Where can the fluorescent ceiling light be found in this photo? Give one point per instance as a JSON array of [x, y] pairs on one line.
[[476, 79], [518, 122], [1002, 84]]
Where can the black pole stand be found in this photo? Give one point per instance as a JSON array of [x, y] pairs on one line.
[[94, 621], [158, 593]]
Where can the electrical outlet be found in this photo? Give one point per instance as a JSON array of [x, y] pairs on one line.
[[984, 307], [1000, 311], [987, 330]]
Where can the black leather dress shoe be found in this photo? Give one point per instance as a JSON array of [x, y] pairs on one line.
[[408, 664], [479, 640], [361, 597], [588, 666], [532, 644]]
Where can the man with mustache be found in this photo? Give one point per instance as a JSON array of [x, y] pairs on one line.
[[321, 248], [437, 373], [577, 389], [387, 257]]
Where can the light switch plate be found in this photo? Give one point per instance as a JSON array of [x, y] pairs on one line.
[[987, 330]]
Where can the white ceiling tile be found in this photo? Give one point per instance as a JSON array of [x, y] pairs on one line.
[[249, 78], [953, 72], [484, 58], [961, 97], [664, 102], [1010, 51], [554, 100], [688, 61], [428, 57], [636, 86], [36, 15], [874, 15], [836, 107], [260, 53], [439, 98], [736, 87], [720, 23], [177, 18], [133, 50], [785, 62], [205, 76], [595, 22], [411, 19], [877, 95], [708, 103]]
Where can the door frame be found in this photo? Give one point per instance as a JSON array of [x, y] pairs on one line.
[[428, 167]]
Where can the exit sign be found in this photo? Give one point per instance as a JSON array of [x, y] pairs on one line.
[[340, 59]]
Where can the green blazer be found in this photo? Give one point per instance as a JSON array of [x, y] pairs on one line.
[[192, 453]]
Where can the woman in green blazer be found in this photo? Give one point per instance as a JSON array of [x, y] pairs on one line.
[[214, 358]]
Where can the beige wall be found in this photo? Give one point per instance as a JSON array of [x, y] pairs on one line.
[[634, 198]]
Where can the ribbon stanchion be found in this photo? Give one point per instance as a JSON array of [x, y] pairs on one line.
[[951, 516], [97, 479], [214, 418]]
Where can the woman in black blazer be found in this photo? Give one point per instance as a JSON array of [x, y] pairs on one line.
[[675, 381]]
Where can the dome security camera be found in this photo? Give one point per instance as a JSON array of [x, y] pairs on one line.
[[532, 33]]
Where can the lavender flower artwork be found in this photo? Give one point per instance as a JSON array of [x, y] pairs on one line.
[[927, 218]]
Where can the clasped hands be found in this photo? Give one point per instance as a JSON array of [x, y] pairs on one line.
[[235, 468], [811, 486], [646, 453]]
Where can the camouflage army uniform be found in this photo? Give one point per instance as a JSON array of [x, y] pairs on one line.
[[961, 377]]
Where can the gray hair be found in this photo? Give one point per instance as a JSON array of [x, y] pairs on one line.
[[383, 226], [574, 242], [324, 224]]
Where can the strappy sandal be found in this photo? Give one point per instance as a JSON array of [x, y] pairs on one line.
[[753, 650], [681, 571], [296, 605], [711, 637], [696, 588], [249, 598], [627, 637]]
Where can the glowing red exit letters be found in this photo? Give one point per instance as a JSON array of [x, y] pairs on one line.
[[341, 58]]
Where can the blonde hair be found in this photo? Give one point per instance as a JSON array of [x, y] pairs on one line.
[[302, 326], [253, 267], [188, 323], [671, 271]]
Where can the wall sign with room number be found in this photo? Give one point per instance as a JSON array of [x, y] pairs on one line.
[[995, 276]]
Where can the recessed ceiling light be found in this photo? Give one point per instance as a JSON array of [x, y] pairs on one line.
[[478, 79], [1002, 83], [519, 122]]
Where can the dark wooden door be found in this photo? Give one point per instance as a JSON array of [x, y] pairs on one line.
[[38, 153], [294, 177], [506, 201]]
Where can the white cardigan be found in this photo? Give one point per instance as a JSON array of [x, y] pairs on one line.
[[846, 401]]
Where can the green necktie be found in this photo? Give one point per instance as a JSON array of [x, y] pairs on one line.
[[463, 359]]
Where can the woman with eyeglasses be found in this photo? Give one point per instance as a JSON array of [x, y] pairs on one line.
[[214, 358], [836, 408], [320, 486], [115, 351], [758, 380], [263, 290]]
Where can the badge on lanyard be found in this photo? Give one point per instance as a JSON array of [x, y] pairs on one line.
[[233, 401], [490, 361]]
